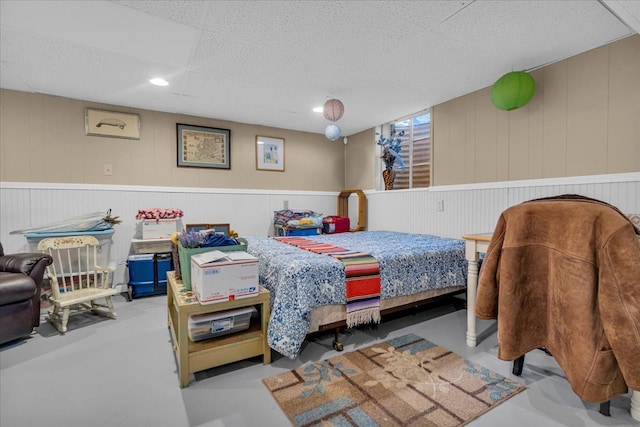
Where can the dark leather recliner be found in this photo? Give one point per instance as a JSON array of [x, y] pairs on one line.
[[21, 278]]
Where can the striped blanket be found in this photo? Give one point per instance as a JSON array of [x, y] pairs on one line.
[[362, 278]]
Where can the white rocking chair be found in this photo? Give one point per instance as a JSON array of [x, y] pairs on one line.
[[76, 279]]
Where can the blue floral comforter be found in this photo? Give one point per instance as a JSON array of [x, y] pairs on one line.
[[300, 280]]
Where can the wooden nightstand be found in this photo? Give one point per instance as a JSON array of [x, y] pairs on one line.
[[197, 356]]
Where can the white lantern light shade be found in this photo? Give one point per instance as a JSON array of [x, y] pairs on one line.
[[333, 110], [332, 132]]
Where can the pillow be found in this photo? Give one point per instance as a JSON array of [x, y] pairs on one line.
[[635, 219]]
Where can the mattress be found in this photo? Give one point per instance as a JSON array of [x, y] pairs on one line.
[[300, 281]]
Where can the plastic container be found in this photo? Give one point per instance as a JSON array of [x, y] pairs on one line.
[[148, 274], [335, 224], [212, 325], [302, 231], [104, 239]]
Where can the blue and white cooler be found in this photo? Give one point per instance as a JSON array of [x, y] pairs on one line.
[[148, 274]]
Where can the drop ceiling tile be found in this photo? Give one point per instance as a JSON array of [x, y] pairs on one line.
[[627, 10], [270, 62], [11, 79], [504, 29], [186, 12], [105, 26]]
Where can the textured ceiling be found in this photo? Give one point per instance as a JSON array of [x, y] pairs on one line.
[[270, 62]]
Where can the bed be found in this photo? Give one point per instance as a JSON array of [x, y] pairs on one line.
[[308, 289]]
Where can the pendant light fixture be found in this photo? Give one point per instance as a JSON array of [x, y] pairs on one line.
[[513, 90], [333, 110]]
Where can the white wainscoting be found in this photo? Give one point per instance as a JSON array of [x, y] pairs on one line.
[[250, 212], [473, 208]]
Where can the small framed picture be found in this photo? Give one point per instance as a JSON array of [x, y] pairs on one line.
[[269, 153], [214, 228], [111, 124], [196, 227], [203, 147]]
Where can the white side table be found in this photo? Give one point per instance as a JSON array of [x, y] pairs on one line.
[[476, 244]]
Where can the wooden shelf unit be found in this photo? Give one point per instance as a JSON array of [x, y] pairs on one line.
[[197, 356], [343, 207]]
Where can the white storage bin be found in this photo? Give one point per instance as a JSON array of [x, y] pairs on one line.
[[211, 325]]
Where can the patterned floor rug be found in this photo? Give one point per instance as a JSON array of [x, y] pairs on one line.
[[405, 381]]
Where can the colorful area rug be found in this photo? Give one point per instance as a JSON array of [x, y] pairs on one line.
[[362, 281], [405, 381]]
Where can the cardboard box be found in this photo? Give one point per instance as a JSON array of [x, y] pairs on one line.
[[218, 276], [186, 253], [159, 229]]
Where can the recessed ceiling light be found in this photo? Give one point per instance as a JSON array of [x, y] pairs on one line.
[[159, 82], [318, 109]]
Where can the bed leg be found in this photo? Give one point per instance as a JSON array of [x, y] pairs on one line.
[[337, 345]]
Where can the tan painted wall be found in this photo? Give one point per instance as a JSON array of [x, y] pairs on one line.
[[361, 161], [583, 120], [42, 139]]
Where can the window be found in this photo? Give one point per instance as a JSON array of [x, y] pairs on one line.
[[415, 151]]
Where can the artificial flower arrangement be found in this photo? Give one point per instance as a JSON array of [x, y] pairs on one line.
[[391, 149], [390, 155], [159, 213]]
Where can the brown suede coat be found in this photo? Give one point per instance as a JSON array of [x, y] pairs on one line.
[[564, 273]]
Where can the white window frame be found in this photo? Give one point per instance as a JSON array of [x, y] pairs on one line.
[[385, 130]]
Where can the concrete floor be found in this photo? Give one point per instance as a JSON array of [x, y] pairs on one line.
[[122, 372]]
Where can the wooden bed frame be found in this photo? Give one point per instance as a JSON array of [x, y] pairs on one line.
[[333, 317]]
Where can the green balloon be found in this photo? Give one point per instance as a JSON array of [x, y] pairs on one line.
[[513, 90]]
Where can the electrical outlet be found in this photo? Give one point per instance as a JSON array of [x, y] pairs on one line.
[[108, 169], [440, 205], [285, 204]]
